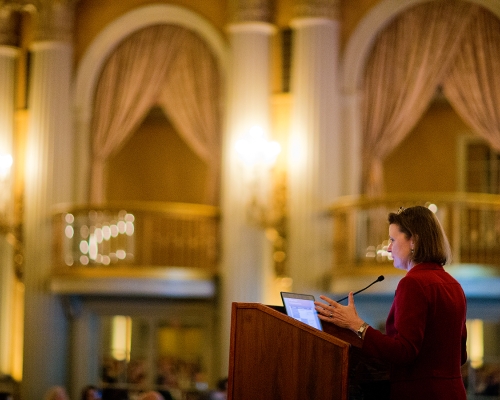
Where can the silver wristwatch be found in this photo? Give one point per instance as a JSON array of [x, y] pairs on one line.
[[362, 330]]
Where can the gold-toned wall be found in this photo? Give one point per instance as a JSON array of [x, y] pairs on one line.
[[426, 161], [92, 16], [156, 165]]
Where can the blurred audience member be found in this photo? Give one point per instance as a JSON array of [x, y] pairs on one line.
[[221, 392], [115, 394], [488, 380], [151, 395], [136, 372], [113, 370], [56, 393], [166, 394], [91, 392]]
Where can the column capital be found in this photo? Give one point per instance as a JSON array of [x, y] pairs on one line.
[[9, 26], [54, 20], [317, 9], [251, 11]]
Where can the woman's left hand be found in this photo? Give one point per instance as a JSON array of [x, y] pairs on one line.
[[343, 316]]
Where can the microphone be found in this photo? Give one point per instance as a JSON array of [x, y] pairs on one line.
[[379, 279]]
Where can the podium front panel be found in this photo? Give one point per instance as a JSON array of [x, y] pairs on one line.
[[276, 357]]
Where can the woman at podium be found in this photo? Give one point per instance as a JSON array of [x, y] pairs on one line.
[[425, 339]]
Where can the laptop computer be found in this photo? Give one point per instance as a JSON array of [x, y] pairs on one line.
[[301, 307]]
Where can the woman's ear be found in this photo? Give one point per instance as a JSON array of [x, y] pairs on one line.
[[414, 240]]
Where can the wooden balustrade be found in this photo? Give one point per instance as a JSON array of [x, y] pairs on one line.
[[136, 235], [187, 235], [360, 239]]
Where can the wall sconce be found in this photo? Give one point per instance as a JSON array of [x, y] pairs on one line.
[[258, 156], [9, 226], [5, 165], [255, 150], [267, 191], [5, 190]]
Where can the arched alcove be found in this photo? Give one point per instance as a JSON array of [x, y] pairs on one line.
[[92, 63], [353, 63]]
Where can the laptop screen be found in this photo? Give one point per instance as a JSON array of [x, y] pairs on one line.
[[301, 307]]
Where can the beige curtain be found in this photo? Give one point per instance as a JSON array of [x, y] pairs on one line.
[[190, 98], [408, 62], [473, 83], [143, 69]]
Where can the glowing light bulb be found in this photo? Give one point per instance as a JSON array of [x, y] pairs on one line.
[[254, 149], [5, 164]]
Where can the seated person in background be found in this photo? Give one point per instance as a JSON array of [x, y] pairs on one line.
[[56, 393], [221, 392], [166, 394], [151, 395], [91, 392], [114, 394]]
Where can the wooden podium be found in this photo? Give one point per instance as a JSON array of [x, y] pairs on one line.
[[273, 356]]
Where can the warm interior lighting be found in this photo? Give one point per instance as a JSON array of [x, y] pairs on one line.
[[258, 156], [17, 332], [5, 165], [433, 208], [255, 150], [104, 242], [5, 190], [266, 190], [121, 337], [475, 342]]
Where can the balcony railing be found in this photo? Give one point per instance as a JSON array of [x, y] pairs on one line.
[[136, 235], [360, 239]]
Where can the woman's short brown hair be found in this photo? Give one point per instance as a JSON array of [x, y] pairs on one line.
[[430, 241]]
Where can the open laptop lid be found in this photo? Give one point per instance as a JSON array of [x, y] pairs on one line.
[[301, 307]]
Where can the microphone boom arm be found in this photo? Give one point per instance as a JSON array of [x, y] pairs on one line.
[[379, 279]]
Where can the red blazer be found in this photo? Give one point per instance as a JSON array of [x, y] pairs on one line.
[[425, 340]]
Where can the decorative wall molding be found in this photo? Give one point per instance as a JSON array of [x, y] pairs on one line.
[[252, 11], [55, 21], [9, 27], [317, 9], [53, 18]]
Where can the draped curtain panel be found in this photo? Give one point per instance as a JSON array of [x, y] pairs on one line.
[[143, 71], [190, 98], [473, 83], [409, 61]]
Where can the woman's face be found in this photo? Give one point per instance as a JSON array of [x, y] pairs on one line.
[[400, 248]]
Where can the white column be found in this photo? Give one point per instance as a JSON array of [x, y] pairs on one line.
[[351, 122], [8, 56], [315, 168], [246, 255], [85, 333], [47, 182]]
